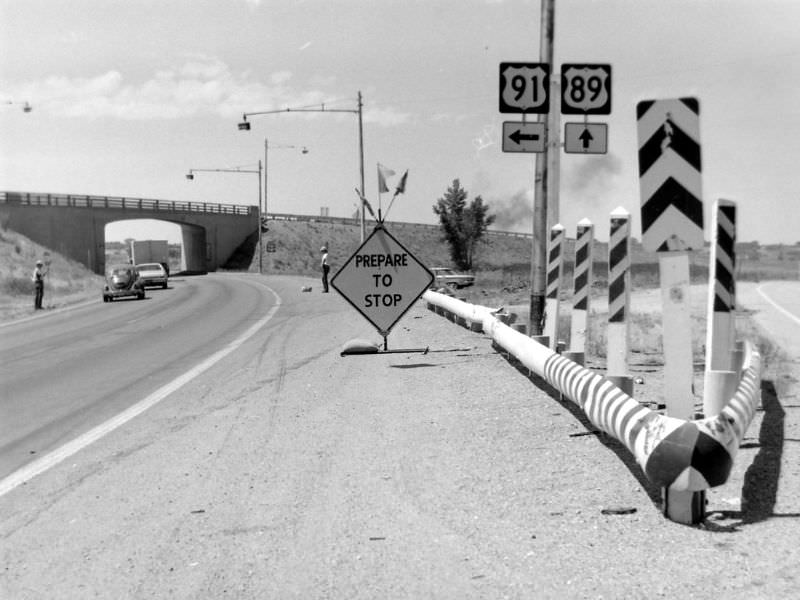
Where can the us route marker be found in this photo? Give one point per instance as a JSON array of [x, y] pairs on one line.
[[524, 87], [585, 89], [382, 280]]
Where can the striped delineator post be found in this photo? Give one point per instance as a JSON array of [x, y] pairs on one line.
[[670, 183], [582, 277], [680, 455], [619, 294], [720, 374], [555, 267]]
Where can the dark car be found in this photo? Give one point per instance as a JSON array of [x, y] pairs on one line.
[[446, 277], [122, 281]]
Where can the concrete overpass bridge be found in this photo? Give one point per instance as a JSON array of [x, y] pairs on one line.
[[74, 225]]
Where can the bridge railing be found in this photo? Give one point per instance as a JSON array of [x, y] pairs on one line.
[[85, 201]]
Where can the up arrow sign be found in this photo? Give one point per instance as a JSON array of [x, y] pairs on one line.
[[586, 138]]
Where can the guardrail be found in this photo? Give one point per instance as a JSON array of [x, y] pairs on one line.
[[675, 454], [115, 202]]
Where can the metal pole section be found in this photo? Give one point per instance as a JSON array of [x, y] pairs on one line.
[[361, 161], [540, 228], [266, 170], [554, 155], [260, 231]]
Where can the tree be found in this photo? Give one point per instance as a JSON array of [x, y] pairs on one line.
[[462, 224]]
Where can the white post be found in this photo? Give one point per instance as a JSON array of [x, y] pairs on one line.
[[680, 506], [555, 265], [618, 332], [720, 378], [676, 333], [581, 297]]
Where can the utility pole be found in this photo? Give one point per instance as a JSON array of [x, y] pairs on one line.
[[540, 224]]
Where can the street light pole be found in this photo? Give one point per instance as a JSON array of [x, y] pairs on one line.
[[245, 126], [190, 177], [303, 149]]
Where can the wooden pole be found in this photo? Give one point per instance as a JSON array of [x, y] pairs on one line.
[[540, 210]]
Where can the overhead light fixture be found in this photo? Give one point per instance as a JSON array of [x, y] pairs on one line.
[[244, 126], [190, 176]]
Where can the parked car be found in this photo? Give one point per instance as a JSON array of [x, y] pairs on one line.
[[122, 281], [446, 277], [153, 274]]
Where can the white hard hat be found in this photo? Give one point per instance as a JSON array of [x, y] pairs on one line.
[[38, 262], [323, 249]]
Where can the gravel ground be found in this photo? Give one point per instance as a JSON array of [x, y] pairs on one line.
[[453, 474]]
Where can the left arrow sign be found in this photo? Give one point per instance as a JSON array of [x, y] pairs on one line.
[[519, 136]]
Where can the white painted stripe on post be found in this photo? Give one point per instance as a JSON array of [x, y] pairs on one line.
[[555, 267], [720, 321], [671, 165], [619, 264], [680, 114], [582, 278]]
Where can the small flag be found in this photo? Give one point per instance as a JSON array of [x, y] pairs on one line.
[[383, 173], [401, 185]]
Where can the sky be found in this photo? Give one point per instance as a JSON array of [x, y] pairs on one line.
[[128, 95]]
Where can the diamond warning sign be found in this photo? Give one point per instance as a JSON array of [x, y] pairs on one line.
[[382, 280]]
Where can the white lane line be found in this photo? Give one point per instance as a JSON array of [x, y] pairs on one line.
[[777, 306], [47, 461]]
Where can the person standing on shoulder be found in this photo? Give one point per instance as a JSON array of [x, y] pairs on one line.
[[38, 284], [325, 269]]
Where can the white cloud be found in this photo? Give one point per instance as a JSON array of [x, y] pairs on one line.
[[201, 85]]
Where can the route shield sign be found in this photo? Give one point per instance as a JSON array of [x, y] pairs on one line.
[[524, 87], [382, 280], [585, 89]]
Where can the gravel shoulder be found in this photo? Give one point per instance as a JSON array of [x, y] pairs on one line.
[[297, 473]]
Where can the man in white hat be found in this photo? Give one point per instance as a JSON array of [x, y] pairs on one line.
[[325, 269], [38, 284]]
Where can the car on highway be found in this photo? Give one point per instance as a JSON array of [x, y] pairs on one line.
[[153, 274], [447, 277], [122, 281]]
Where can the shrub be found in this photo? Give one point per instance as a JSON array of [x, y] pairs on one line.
[[16, 286]]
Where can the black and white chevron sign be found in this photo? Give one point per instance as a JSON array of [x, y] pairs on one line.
[[670, 177]]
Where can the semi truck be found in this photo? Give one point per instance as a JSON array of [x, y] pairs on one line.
[[150, 251]]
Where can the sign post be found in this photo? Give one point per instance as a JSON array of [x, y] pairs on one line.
[[672, 225], [382, 280]]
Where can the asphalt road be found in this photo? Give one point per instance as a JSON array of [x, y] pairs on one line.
[[67, 372], [283, 470]]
